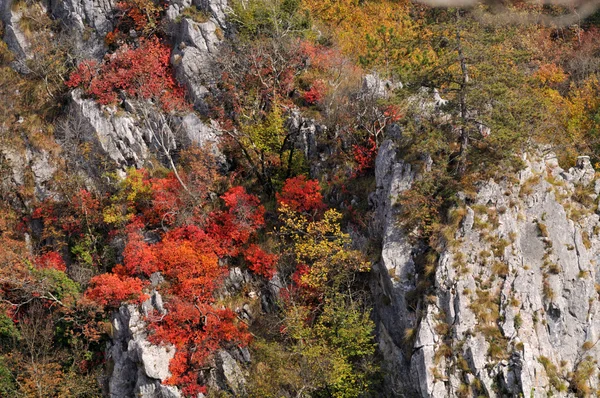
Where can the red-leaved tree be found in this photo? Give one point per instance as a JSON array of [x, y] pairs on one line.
[[232, 228], [51, 260], [261, 262], [143, 72], [188, 258], [316, 92], [110, 290], [302, 195], [364, 156]]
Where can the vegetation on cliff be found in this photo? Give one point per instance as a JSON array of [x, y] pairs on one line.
[[463, 96]]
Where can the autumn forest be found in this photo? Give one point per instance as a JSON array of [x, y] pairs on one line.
[[258, 243]]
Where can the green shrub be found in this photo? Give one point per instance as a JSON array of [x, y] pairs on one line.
[[256, 18], [7, 382], [8, 330]]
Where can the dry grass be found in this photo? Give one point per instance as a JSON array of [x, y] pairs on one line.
[[553, 374], [547, 291], [542, 230], [586, 240], [501, 269], [580, 378], [527, 187]]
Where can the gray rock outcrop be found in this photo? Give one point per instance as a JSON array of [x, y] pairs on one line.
[[195, 131], [129, 138], [36, 164], [81, 14], [15, 39], [514, 308], [229, 375], [137, 368], [118, 137], [377, 87], [305, 133], [89, 20], [194, 56], [394, 275], [217, 9]]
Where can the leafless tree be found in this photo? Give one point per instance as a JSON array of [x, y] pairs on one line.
[[163, 131]]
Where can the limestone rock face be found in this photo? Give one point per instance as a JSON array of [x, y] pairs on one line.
[[230, 374], [217, 8], [128, 138], [197, 46], [34, 163], [373, 85], [514, 308], [195, 131], [13, 36], [95, 14], [194, 56], [118, 137], [88, 20], [394, 275], [305, 133], [138, 367]]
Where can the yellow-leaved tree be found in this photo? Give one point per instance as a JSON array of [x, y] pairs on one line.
[[352, 21], [326, 339]]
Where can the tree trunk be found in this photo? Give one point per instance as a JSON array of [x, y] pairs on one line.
[[464, 132]]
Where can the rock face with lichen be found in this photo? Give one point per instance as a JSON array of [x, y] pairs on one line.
[[14, 37], [129, 138], [514, 308]]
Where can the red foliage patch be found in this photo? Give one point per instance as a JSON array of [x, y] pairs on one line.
[[232, 228], [111, 290], [143, 72], [188, 258], [166, 200], [316, 92], [261, 262], [138, 256], [392, 113], [196, 330], [364, 156], [302, 195], [51, 260], [321, 57], [139, 13], [84, 210]]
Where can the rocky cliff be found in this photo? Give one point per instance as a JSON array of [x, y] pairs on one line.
[[137, 368], [510, 307], [513, 310]]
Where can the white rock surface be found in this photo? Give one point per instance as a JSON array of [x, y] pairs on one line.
[[526, 245], [138, 367], [194, 56]]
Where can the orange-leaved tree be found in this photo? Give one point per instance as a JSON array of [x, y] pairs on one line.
[[190, 254]]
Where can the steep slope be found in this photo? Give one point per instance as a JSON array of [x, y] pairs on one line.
[[514, 305], [99, 183]]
